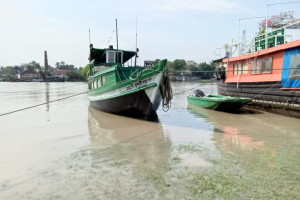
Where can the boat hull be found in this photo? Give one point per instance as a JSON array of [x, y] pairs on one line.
[[266, 96], [267, 91], [142, 106], [138, 99], [221, 103]]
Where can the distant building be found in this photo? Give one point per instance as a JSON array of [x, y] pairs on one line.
[[148, 63], [61, 72], [28, 75], [184, 75]]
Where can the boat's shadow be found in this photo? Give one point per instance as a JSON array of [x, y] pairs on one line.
[[207, 113]]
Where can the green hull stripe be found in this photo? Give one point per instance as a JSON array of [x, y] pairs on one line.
[[121, 84], [125, 93]]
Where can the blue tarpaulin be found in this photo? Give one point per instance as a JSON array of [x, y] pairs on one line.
[[290, 77]]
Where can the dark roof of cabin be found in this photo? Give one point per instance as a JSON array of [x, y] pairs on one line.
[[218, 60], [99, 55]]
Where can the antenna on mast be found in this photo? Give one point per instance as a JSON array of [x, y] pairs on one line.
[[90, 36], [136, 49], [91, 46]]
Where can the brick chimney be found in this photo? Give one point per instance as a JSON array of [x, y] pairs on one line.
[[45, 61]]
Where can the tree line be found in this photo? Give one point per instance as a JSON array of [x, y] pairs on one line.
[[179, 66], [176, 67], [75, 74]]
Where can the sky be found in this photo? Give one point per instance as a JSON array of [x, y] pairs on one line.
[[171, 29]]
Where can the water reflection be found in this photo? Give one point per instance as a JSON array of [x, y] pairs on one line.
[[47, 97], [140, 143], [248, 129]]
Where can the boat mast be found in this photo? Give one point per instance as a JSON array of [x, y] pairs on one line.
[[117, 40], [135, 42]]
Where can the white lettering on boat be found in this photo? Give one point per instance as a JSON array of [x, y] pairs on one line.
[[138, 84]]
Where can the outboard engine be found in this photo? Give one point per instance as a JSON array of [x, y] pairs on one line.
[[199, 93]]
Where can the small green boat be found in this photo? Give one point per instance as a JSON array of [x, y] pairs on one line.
[[217, 102]]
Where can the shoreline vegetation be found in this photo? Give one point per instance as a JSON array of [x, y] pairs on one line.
[[32, 70]]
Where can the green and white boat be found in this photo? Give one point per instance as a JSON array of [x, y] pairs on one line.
[[218, 102], [117, 88]]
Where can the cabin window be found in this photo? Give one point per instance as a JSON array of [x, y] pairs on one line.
[[253, 65], [294, 73], [261, 65], [239, 68], [256, 66], [235, 67], [245, 68], [267, 65], [111, 56]]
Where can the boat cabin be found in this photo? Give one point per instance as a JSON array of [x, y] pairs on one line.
[[107, 66], [110, 56]]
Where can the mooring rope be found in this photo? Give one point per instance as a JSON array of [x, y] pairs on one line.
[[167, 94], [193, 88], [42, 90], [60, 99]]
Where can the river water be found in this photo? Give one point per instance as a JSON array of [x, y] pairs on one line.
[[67, 150]]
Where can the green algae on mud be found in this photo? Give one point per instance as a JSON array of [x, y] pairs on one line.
[[244, 176]]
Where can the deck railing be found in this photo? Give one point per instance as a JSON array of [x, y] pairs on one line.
[[275, 37]]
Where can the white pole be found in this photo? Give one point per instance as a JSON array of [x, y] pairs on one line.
[[266, 46], [266, 40], [239, 42]]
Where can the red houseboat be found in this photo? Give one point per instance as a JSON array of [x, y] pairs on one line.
[[269, 74]]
